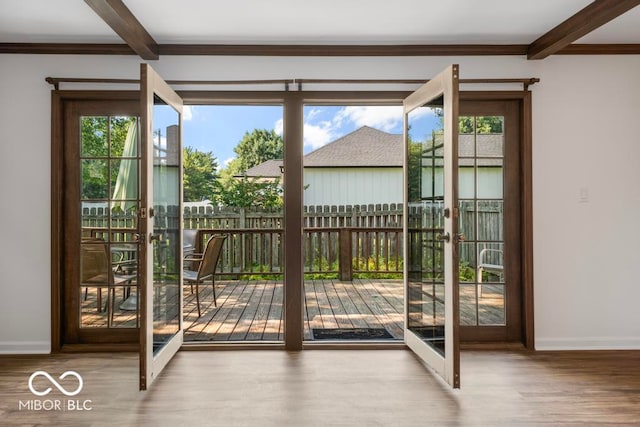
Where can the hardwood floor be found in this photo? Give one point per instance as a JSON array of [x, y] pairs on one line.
[[331, 388]]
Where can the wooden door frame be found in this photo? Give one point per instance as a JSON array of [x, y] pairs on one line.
[[293, 339], [523, 98], [63, 105], [511, 330]]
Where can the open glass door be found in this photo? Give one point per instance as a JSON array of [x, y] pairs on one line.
[[161, 331], [430, 271]]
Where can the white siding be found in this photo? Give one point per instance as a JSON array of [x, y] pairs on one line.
[[489, 183], [584, 141], [352, 186]]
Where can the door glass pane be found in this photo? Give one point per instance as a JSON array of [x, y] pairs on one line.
[[489, 136], [167, 235], [426, 297], [109, 223], [95, 179], [482, 289], [490, 176], [94, 136]]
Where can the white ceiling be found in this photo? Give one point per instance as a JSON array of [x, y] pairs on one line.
[[305, 22]]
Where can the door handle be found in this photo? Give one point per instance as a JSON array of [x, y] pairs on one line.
[[446, 237], [155, 237]]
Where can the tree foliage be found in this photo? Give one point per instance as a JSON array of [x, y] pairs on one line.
[[244, 192], [235, 189], [102, 137], [256, 147], [200, 175], [483, 124], [415, 171]]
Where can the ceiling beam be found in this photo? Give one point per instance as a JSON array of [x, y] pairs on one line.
[[582, 23], [600, 49], [127, 26], [311, 50], [66, 49], [341, 50]]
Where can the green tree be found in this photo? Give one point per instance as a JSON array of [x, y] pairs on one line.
[[244, 192], [484, 124], [256, 147], [235, 189], [200, 175]]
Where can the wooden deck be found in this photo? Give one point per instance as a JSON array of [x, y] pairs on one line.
[[252, 310]]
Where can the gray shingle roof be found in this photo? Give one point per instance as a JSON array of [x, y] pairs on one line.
[[268, 169], [369, 147], [364, 147]]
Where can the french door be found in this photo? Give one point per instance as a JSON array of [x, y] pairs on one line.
[[490, 202], [431, 224], [98, 197], [161, 330]]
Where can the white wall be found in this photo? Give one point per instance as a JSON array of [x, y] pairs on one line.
[[586, 137], [352, 186]]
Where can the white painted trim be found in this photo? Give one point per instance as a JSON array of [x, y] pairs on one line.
[[431, 357], [25, 347], [595, 343]]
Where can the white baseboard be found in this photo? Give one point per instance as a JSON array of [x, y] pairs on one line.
[[25, 347], [622, 343]]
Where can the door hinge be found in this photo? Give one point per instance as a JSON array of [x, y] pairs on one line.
[[142, 213]]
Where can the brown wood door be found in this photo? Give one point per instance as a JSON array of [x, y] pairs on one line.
[[489, 194], [98, 263]]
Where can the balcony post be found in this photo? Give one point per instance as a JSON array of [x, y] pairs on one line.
[[345, 246]]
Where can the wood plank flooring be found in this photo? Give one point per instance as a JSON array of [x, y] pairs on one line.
[[252, 310], [332, 388]]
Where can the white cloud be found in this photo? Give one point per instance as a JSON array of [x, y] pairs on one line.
[[318, 135], [315, 135], [385, 118], [187, 113], [312, 114], [278, 127], [229, 160]]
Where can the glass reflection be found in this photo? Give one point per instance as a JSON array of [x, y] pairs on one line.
[[108, 252], [481, 220], [167, 248], [426, 296]]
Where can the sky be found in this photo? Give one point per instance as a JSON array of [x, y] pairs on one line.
[[218, 129]]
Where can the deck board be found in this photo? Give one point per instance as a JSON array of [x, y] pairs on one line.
[[253, 310], [259, 323]]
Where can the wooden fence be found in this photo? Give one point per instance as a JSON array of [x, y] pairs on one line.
[[222, 217], [344, 240]]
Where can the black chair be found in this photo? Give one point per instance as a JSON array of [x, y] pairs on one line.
[[98, 272], [206, 266]]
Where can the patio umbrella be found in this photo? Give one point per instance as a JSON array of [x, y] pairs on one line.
[[125, 192]]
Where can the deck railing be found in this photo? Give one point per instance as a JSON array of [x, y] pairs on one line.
[[342, 240], [341, 251]]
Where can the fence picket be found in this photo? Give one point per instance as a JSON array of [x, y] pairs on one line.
[[255, 235]]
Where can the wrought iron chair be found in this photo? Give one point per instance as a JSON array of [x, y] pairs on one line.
[[207, 263]]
